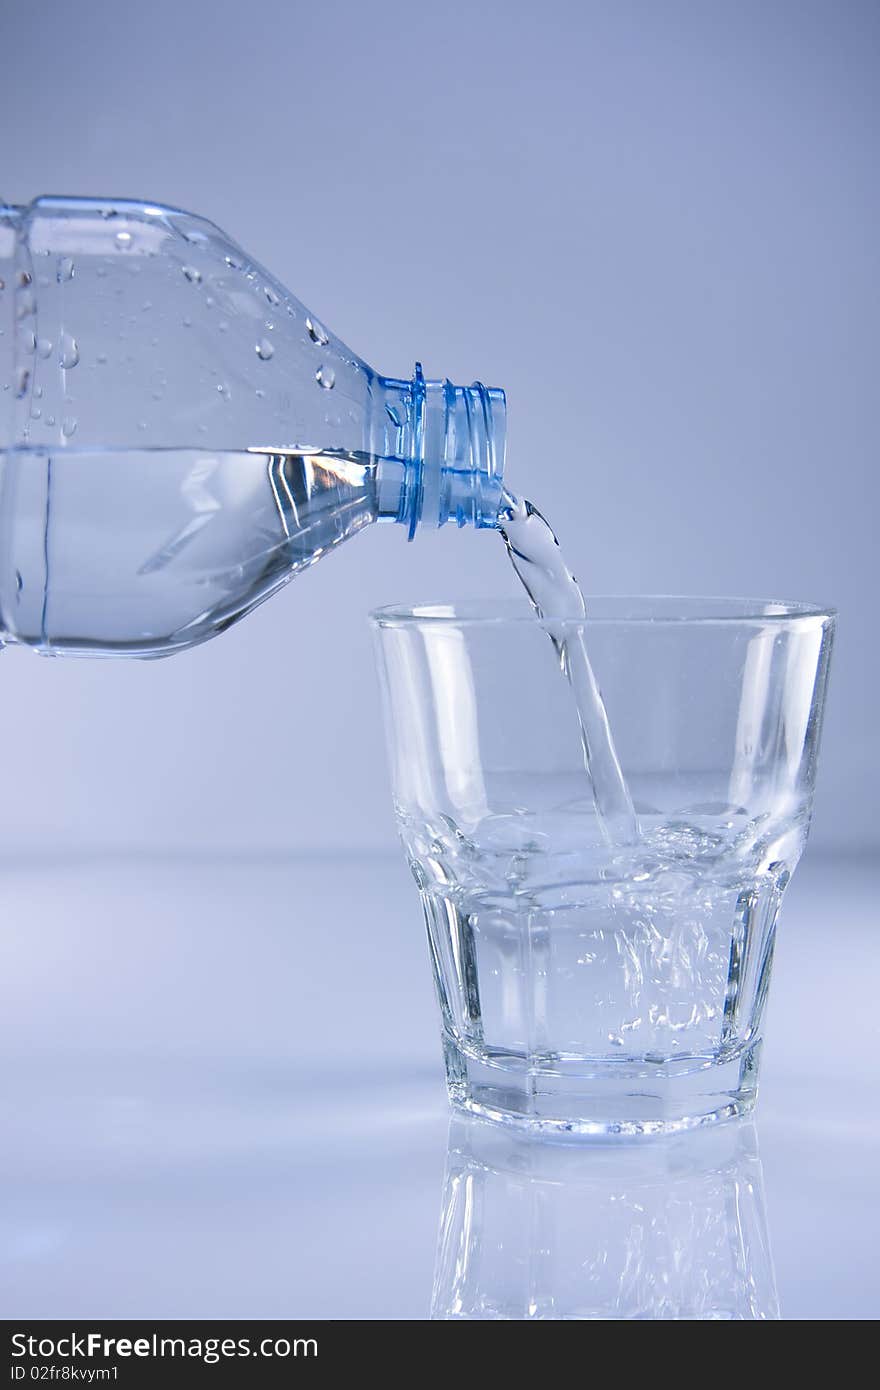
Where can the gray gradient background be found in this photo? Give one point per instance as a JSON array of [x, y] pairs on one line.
[[655, 224]]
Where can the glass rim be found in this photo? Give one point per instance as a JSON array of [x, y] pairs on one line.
[[625, 610]]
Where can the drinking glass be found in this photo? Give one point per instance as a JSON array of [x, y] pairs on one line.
[[590, 984]]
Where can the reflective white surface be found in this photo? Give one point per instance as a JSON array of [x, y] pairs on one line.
[[222, 1097]]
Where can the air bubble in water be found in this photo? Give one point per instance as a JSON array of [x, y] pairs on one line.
[[224, 391], [65, 269], [24, 279], [232, 263], [326, 377], [316, 333], [271, 295], [124, 240], [22, 381], [68, 351], [265, 350], [194, 276]]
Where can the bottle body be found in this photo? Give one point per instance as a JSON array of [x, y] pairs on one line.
[[134, 553], [179, 435]]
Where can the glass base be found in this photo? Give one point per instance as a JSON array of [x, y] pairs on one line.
[[603, 1099]]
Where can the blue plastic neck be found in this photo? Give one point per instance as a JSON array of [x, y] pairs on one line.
[[439, 451]]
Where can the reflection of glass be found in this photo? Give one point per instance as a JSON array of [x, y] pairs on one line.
[[671, 1230]]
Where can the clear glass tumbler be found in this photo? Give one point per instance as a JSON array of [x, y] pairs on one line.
[[587, 985]]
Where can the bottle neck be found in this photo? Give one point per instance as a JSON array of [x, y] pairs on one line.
[[439, 450]]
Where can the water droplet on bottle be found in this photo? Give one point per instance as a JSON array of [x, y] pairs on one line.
[[265, 350], [68, 351], [232, 263], [38, 392], [124, 240], [187, 323], [271, 295], [24, 279], [26, 304], [316, 333], [326, 377], [65, 269], [101, 359], [44, 347], [36, 413], [27, 340], [259, 393], [194, 276], [223, 326], [22, 382], [223, 391], [68, 426], [50, 419]]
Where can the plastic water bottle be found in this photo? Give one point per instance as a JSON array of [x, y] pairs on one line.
[[179, 435]]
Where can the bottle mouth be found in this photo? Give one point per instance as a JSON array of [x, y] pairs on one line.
[[458, 453], [440, 451]]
